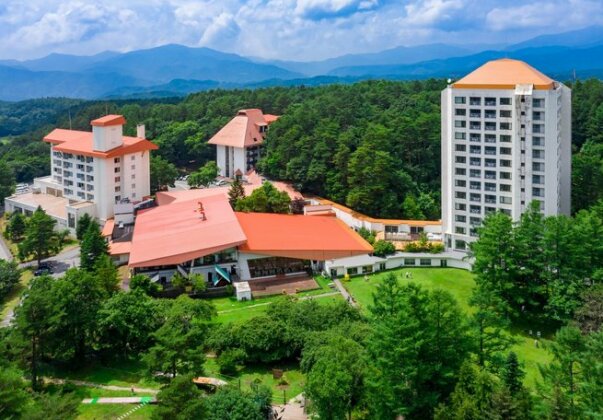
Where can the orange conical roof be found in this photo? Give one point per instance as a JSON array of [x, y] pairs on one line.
[[504, 74]]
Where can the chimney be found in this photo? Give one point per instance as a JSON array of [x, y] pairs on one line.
[[140, 131], [107, 132]]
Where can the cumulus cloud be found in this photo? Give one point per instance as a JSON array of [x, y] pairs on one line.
[[289, 29]]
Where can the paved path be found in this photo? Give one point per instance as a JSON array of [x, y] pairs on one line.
[[119, 400], [293, 410], [5, 253], [101, 386], [345, 293]]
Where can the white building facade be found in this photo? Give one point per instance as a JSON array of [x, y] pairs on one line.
[[506, 141], [91, 172]]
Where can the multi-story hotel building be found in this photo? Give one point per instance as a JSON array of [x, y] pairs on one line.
[[239, 142], [506, 141], [91, 172]]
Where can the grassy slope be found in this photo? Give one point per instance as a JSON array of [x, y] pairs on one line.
[[460, 284]]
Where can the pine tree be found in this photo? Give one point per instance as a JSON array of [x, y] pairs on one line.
[[82, 226], [513, 374], [16, 226], [93, 246], [40, 237], [235, 193]]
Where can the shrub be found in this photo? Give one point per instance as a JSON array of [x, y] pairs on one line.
[[383, 248], [230, 359]]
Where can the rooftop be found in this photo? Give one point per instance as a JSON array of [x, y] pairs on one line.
[[297, 236], [175, 233], [504, 73], [54, 206], [244, 129], [108, 120], [81, 143]]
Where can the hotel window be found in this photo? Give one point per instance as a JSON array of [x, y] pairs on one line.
[[490, 174], [537, 116], [460, 124], [117, 170], [538, 166], [460, 100], [538, 141], [505, 200], [133, 176], [117, 160], [426, 261], [490, 150], [505, 175], [490, 126], [475, 173], [117, 189], [460, 218], [505, 187], [133, 167], [474, 100], [132, 157], [488, 210], [540, 204], [490, 186], [490, 138], [476, 198], [490, 114], [133, 186], [490, 101], [459, 136], [459, 112], [409, 261], [460, 194], [505, 150], [506, 211], [459, 244], [505, 113], [475, 221], [460, 183], [460, 159], [538, 103], [475, 113], [538, 128], [117, 179], [538, 192], [490, 163], [505, 138], [490, 199], [460, 147], [505, 101], [505, 163], [475, 150], [117, 198], [476, 137], [538, 154], [475, 125], [475, 161], [505, 126], [460, 171], [460, 206], [475, 210], [537, 179], [460, 230], [475, 185]]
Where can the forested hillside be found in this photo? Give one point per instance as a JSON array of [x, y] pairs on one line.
[[373, 145]]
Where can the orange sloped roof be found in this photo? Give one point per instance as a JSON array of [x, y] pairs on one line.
[[504, 74], [296, 236], [243, 129], [119, 248], [175, 233], [81, 143], [108, 120], [108, 228], [269, 118]]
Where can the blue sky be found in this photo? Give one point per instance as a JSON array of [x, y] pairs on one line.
[[286, 29]]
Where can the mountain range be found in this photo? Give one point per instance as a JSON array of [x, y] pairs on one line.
[[175, 70]]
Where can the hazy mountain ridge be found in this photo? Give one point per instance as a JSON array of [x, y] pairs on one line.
[[176, 70]]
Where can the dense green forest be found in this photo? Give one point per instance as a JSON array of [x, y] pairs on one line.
[[373, 145]]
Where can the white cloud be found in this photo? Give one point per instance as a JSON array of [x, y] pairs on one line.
[[290, 29]]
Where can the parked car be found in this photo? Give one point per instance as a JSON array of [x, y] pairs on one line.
[[44, 267]]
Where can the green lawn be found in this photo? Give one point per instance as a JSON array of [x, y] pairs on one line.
[[13, 298], [292, 376], [460, 284], [123, 373]]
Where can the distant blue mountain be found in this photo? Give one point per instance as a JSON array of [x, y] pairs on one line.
[[175, 70]]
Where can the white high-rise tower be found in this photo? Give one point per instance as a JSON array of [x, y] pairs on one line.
[[506, 141]]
